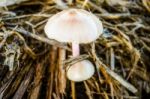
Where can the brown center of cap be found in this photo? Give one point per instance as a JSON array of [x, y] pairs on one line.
[[72, 13], [72, 17]]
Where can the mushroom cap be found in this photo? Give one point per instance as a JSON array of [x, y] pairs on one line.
[[80, 71], [74, 26]]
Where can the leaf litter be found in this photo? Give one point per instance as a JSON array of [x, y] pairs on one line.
[[33, 66]]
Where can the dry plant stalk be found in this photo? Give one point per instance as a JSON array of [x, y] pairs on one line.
[[51, 42], [35, 92], [88, 92], [61, 71], [51, 73], [13, 88], [111, 73], [23, 86], [73, 90]]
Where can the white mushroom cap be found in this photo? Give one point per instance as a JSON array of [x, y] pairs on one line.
[[74, 25], [80, 71]]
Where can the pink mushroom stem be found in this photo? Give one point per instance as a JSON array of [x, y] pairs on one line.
[[75, 49]]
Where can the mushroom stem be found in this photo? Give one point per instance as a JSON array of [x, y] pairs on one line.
[[75, 49]]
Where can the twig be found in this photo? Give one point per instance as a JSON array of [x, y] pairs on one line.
[[115, 16], [48, 41], [73, 93], [97, 7], [73, 60], [4, 87], [13, 87], [114, 75], [51, 73], [61, 71], [28, 15], [88, 92], [118, 78], [37, 81], [112, 59], [21, 90]]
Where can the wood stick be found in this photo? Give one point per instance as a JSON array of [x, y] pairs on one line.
[[51, 72], [43, 39], [37, 81], [14, 86], [61, 70], [22, 88], [73, 90]]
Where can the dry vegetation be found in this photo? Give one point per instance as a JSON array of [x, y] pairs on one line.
[[121, 55]]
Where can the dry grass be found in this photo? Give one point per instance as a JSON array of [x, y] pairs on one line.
[[121, 55]]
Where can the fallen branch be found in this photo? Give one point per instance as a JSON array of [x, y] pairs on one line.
[[42, 39]]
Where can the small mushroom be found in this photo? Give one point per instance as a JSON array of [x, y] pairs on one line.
[[80, 71], [75, 26]]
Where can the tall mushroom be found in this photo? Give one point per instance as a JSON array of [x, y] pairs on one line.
[[75, 26]]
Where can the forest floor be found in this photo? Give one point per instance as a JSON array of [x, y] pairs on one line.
[[33, 66]]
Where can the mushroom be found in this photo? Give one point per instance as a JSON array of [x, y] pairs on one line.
[[75, 26], [80, 71]]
